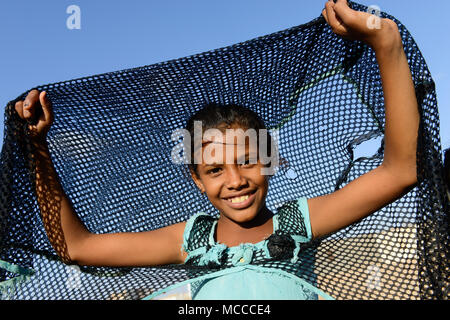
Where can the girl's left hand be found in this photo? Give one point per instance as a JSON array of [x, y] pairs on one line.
[[356, 25]]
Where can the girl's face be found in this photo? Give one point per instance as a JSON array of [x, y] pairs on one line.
[[237, 188]]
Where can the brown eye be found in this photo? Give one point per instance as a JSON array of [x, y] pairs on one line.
[[248, 161], [213, 171]]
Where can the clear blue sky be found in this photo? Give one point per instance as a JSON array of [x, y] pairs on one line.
[[38, 48]]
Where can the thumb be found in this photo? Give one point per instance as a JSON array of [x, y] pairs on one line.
[[46, 106]]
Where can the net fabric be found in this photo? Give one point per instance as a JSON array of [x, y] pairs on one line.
[[199, 240], [292, 221], [111, 147], [199, 235], [278, 253]]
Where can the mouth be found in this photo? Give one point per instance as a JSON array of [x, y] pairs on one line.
[[241, 201]]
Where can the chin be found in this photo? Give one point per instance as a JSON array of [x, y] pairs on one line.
[[241, 217]]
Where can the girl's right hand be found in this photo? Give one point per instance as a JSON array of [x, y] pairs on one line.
[[37, 107]]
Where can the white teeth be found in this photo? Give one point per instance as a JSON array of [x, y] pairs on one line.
[[238, 199]]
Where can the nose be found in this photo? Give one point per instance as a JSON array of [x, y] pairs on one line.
[[235, 180]]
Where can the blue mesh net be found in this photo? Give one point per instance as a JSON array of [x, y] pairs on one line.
[[111, 147]]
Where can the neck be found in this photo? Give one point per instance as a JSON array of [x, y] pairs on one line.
[[232, 233]]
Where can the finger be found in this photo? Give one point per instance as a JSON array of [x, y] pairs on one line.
[[29, 105], [335, 22], [324, 14], [343, 2], [46, 106], [332, 20], [344, 12], [19, 108]]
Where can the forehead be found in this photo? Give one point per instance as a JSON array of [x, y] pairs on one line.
[[225, 146], [230, 136]]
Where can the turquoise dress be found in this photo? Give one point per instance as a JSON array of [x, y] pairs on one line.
[[267, 270]]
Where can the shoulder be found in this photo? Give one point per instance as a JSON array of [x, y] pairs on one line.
[[198, 231], [293, 218]]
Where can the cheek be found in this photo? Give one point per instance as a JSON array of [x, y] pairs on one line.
[[264, 183], [212, 186], [258, 177]]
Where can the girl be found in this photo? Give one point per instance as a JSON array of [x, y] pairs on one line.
[[246, 231]]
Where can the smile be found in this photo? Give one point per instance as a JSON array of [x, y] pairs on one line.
[[238, 199], [241, 201]]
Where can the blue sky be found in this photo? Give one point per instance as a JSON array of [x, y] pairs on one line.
[[38, 48]]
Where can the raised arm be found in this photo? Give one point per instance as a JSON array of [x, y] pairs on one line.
[[67, 234], [397, 174]]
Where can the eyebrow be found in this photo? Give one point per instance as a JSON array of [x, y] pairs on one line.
[[250, 155], [253, 155], [224, 143], [214, 164]]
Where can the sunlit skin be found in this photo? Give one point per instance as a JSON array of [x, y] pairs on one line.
[[248, 220], [242, 180]]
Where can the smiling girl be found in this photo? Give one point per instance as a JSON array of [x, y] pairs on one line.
[[247, 233]]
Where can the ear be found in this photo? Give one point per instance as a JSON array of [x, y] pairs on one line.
[[197, 180]]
